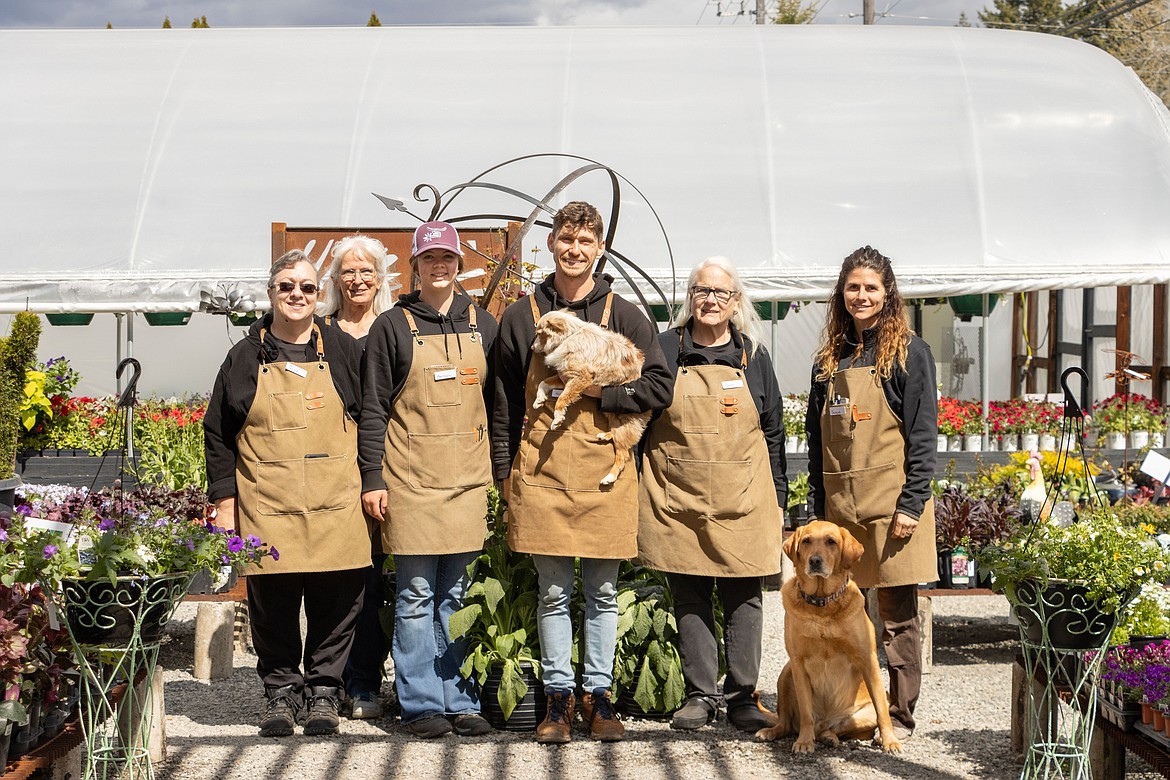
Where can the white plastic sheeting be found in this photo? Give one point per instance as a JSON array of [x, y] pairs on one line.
[[143, 166]]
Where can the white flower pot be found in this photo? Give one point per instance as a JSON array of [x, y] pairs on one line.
[[1157, 439], [973, 442], [942, 443], [791, 443], [1031, 441], [1115, 440], [955, 443], [1139, 439], [1009, 442], [802, 445], [1046, 442]]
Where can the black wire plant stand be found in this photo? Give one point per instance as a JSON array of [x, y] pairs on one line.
[[1062, 633]]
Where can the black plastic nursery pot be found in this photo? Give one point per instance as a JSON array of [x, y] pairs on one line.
[[529, 712]]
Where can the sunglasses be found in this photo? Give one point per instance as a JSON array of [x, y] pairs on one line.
[[308, 288]]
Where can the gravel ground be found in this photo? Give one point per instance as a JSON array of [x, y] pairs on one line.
[[963, 721]]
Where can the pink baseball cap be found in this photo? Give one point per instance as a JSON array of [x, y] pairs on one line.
[[435, 235]]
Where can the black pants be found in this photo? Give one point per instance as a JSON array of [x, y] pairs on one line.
[[902, 640], [743, 629], [332, 601], [363, 670]]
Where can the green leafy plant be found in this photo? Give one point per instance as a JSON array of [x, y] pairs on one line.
[[1147, 615], [1109, 557], [798, 490], [499, 616], [647, 654], [46, 396], [17, 353], [169, 437], [970, 520]]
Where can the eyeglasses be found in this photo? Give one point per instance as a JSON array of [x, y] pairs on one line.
[[722, 296], [308, 288], [365, 274]]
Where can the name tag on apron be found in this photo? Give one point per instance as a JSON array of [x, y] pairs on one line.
[[295, 369], [839, 407], [731, 384], [448, 373]]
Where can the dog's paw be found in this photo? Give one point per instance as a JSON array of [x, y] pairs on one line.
[[557, 419], [609, 479], [829, 738], [768, 734], [804, 746], [605, 436], [892, 746]]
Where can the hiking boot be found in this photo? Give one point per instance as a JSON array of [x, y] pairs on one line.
[[747, 714], [470, 724], [696, 713], [280, 714], [364, 706], [429, 727], [321, 716], [599, 716], [556, 726]]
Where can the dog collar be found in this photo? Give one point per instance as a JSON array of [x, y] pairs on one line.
[[824, 601]]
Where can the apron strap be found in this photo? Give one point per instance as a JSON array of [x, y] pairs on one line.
[[410, 323], [535, 309], [605, 313], [320, 347], [471, 321]]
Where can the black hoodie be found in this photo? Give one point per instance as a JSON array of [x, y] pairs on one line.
[[235, 390], [650, 392], [389, 352]]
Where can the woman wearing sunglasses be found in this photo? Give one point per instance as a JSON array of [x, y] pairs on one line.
[[281, 445], [426, 468], [713, 490]]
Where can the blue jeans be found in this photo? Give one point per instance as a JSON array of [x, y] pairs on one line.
[[599, 586], [426, 661]]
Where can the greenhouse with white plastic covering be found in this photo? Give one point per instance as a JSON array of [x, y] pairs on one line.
[[144, 168]]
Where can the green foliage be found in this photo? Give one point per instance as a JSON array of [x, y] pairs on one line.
[[17, 353], [200, 22], [374, 20], [965, 520], [46, 400], [1102, 551], [798, 490], [169, 441], [166, 25], [499, 616], [797, 11], [647, 641], [1146, 615]]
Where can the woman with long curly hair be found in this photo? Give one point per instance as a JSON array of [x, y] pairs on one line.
[[872, 426]]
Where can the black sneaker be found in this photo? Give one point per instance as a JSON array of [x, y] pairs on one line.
[[280, 714], [322, 717], [748, 715], [696, 713], [470, 725], [430, 727]]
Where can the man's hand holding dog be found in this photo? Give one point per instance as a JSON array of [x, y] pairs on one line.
[[904, 526]]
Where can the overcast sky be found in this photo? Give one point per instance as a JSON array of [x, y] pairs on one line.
[[279, 13]]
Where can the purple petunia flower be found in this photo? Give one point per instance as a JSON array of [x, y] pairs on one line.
[[3, 535], [235, 544], [254, 540], [226, 560], [24, 509], [106, 524], [274, 553], [191, 545], [50, 551]]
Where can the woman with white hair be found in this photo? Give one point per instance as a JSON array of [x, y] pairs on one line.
[[713, 491], [357, 287]]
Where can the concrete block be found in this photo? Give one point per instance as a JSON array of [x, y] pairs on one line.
[[214, 640]]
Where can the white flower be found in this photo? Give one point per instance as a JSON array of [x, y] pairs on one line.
[[145, 553]]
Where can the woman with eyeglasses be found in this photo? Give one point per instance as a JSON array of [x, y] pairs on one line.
[[426, 468], [871, 426], [355, 288], [281, 445], [713, 492]]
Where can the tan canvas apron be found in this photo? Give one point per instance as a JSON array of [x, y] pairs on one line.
[[864, 472], [556, 503], [297, 479], [708, 502], [437, 463]]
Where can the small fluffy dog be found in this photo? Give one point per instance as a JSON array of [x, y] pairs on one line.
[[585, 354], [831, 687]]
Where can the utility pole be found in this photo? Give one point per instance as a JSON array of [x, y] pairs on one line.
[[761, 12], [867, 11]]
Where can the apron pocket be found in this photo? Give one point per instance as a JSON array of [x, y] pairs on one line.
[[303, 485], [863, 495], [441, 461], [565, 460], [841, 425], [280, 486], [441, 392], [717, 488], [700, 414], [286, 411]]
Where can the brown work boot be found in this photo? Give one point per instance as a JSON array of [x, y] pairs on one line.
[[557, 724], [599, 716]]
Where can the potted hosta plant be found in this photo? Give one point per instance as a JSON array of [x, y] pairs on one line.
[[498, 622], [647, 677]]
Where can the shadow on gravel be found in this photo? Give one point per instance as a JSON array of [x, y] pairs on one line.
[[986, 749], [960, 641], [209, 704]]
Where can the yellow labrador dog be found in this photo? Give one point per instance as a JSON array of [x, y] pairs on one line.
[[585, 354], [831, 687]]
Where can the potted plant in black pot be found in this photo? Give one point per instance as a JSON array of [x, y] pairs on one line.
[[647, 674], [498, 622], [966, 521]]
